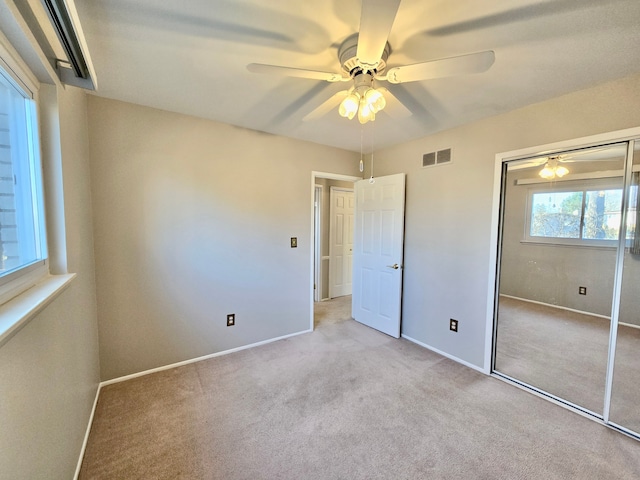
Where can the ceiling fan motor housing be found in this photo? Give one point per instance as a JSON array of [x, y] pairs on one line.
[[347, 55], [362, 81]]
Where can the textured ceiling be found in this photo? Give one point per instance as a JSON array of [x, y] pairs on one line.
[[190, 57]]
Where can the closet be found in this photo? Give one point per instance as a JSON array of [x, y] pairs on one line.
[[567, 303]]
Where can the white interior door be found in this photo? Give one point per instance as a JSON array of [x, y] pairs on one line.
[[377, 253], [341, 241]]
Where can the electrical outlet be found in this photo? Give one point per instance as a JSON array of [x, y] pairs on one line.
[[453, 325], [582, 290], [294, 242], [231, 320]]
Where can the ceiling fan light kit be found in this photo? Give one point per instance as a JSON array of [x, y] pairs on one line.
[[363, 58], [552, 170], [362, 99]]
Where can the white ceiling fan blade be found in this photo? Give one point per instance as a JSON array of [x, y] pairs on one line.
[[590, 155], [445, 67], [330, 104], [295, 72], [394, 108], [512, 166], [586, 155], [376, 21]]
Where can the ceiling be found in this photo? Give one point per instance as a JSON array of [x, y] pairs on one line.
[[190, 57]]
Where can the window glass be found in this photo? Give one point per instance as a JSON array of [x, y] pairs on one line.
[[631, 211], [590, 215], [21, 223], [602, 215], [556, 214]]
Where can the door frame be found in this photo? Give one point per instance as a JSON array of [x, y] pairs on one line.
[[317, 254], [312, 192]]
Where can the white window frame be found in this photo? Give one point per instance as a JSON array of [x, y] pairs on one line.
[[16, 282], [22, 298], [569, 186]]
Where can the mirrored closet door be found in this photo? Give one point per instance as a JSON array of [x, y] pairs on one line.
[[625, 393], [563, 285]]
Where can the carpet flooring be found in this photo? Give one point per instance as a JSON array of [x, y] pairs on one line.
[[565, 353], [343, 402]]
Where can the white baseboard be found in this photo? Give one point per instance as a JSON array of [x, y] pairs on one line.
[[198, 359], [559, 307], [159, 369], [445, 354], [630, 325], [86, 435]]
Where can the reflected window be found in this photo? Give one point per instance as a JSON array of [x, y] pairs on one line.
[[587, 216], [556, 214], [602, 214]]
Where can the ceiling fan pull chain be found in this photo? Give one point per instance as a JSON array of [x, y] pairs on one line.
[[361, 154], [371, 180]]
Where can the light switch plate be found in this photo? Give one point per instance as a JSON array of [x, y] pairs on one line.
[[294, 242]]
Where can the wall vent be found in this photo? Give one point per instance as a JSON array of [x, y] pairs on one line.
[[436, 158], [429, 159]]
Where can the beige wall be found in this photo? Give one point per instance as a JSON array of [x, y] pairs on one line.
[[193, 221], [49, 370], [449, 207]]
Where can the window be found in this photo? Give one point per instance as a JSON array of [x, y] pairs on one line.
[[587, 216], [22, 233]]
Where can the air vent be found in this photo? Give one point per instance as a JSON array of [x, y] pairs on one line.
[[436, 158], [443, 156], [429, 159]]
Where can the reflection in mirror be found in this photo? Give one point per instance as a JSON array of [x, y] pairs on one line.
[[560, 225], [626, 374]]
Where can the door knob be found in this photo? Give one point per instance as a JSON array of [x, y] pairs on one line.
[[395, 266]]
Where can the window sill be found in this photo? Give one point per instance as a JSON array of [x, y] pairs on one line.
[[595, 246], [18, 311]]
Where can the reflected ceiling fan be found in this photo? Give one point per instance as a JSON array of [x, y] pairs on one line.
[[363, 60], [553, 165]]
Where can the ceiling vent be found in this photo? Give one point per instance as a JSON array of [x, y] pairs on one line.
[[440, 157]]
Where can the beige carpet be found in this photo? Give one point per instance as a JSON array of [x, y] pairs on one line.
[[565, 353], [343, 402]]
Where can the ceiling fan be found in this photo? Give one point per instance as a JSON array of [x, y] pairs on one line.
[[554, 165], [363, 59], [598, 154]]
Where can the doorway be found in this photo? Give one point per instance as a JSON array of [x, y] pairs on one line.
[[565, 321], [322, 268]]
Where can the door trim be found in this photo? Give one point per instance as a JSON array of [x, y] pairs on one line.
[[318, 196]]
